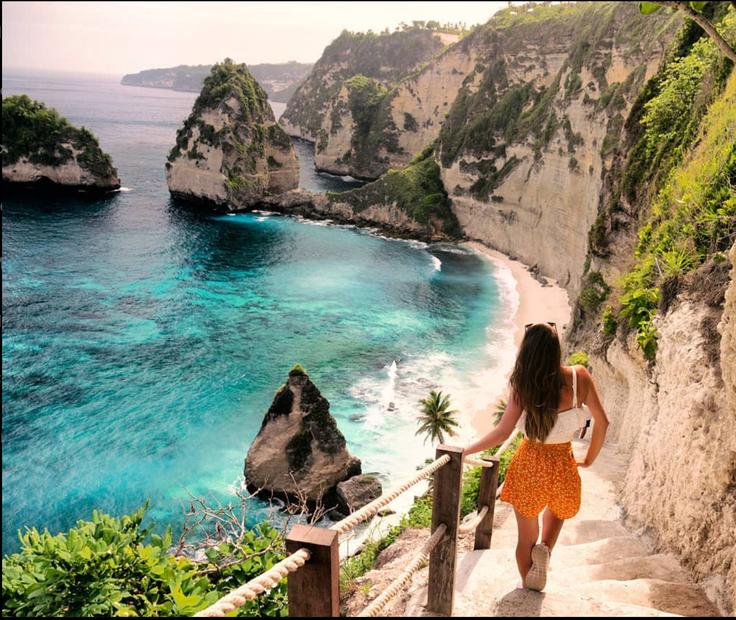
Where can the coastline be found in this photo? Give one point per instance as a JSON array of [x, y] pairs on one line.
[[532, 303]]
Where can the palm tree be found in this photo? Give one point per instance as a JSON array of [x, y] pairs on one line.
[[499, 410], [436, 418]]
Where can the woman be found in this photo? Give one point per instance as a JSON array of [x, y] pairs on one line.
[[545, 402]]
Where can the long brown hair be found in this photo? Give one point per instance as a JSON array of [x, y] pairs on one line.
[[537, 379]]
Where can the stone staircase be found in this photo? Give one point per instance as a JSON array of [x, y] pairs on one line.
[[598, 568]]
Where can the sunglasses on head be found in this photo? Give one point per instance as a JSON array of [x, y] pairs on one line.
[[550, 323]]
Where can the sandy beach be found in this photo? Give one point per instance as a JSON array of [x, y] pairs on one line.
[[535, 303]]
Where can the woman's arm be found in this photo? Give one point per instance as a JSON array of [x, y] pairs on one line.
[[501, 431], [600, 419]]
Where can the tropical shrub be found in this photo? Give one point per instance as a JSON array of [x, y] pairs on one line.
[[110, 566]]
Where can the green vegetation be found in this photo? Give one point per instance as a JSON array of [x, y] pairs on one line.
[[578, 358], [114, 567], [436, 417], [594, 292], [45, 138], [416, 189], [693, 216]]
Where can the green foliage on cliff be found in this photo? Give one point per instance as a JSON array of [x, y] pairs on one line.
[[228, 82], [416, 189], [45, 138], [385, 57], [692, 216], [115, 567]]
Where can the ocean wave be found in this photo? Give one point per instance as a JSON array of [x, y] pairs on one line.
[[437, 263], [124, 189]]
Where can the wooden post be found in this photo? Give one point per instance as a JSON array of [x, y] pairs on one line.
[[487, 497], [314, 590], [445, 509]]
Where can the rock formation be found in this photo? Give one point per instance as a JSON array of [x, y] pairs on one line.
[[356, 492], [407, 203], [230, 152], [41, 149], [299, 451], [342, 104]]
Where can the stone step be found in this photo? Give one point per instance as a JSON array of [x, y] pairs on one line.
[[684, 599], [664, 567], [526, 603]]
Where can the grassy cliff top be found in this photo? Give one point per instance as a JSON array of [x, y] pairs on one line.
[[44, 137], [229, 79]]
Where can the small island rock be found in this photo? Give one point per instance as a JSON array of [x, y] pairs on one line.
[[355, 493], [299, 449], [230, 153], [41, 149]]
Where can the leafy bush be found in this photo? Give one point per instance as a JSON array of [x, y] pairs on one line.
[[112, 566], [578, 358], [609, 322]]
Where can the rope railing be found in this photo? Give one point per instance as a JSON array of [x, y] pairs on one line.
[[369, 510], [465, 528], [477, 463], [397, 584], [251, 589]]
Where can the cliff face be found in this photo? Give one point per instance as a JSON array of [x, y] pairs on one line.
[[299, 449], [230, 152], [528, 140], [41, 149], [344, 104]]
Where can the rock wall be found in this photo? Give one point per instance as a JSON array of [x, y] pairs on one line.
[[676, 420]]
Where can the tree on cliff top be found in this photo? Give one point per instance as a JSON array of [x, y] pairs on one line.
[[693, 10]]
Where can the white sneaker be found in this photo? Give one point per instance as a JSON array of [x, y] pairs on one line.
[[536, 578]]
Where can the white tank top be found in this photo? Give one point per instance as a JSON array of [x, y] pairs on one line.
[[568, 422]]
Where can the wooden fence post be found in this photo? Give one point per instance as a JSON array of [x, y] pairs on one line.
[[314, 590], [445, 509], [487, 497]]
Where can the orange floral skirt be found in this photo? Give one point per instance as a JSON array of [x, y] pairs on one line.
[[541, 475]]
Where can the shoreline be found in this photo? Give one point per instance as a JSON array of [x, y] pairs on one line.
[[532, 303]]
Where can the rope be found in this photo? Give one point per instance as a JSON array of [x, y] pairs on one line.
[[478, 463], [471, 525], [250, 590], [369, 510], [389, 593]]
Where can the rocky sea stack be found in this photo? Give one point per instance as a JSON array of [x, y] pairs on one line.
[[230, 152], [41, 149], [299, 451]]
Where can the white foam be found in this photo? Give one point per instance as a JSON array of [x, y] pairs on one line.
[[437, 263], [124, 189]]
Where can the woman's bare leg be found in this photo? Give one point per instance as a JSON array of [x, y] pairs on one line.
[[551, 527], [528, 534]]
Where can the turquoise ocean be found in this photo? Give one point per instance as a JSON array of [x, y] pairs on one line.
[[143, 341]]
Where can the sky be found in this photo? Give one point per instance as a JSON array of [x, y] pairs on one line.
[[115, 38]]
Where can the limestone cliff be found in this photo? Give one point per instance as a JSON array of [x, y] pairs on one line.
[[344, 105], [299, 449], [230, 152], [656, 309], [41, 149]]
